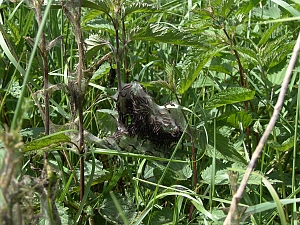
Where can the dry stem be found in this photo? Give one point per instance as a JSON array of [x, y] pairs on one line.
[[257, 152]]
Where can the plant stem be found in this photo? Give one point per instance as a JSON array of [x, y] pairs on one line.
[[265, 136]]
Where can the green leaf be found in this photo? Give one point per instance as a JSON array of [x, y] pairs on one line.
[[224, 151], [99, 176], [277, 77], [102, 71], [248, 54], [267, 34], [194, 68], [286, 145], [47, 141], [176, 171], [267, 13], [269, 205], [234, 119], [287, 7], [160, 33], [139, 7], [109, 211], [99, 24], [162, 217], [101, 5], [230, 96]]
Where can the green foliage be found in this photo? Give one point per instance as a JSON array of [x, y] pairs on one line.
[[230, 96], [209, 70]]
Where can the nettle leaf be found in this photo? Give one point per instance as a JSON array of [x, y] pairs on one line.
[[286, 145], [268, 13], [107, 121], [224, 151], [248, 54], [139, 7], [162, 217], [277, 77], [32, 132], [94, 43], [92, 14], [166, 34], [102, 6], [234, 119], [194, 67], [15, 89], [100, 175], [99, 24], [222, 177], [102, 71], [109, 210], [175, 172], [64, 214], [230, 96], [267, 34], [47, 141], [275, 51]]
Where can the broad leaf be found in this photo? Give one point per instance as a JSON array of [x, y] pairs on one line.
[[194, 67], [162, 217], [109, 210], [285, 146], [139, 7], [224, 150], [101, 5], [230, 96], [47, 141], [234, 119], [160, 33], [100, 175], [267, 34]]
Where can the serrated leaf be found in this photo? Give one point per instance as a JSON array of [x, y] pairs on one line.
[[139, 7], [32, 132], [268, 13], [102, 71], [267, 34], [176, 171], [106, 121], [47, 141], [234, 119], [248, 54], [230, 96], [222, 178], [109, 211], [94, 43], [162, 217], [100, 175], [194, 69], [224, 151], [286, 145], [277, 78], [102, 6], [161, 33], [99, 24]]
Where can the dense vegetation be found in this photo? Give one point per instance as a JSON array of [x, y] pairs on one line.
[[171, 142]]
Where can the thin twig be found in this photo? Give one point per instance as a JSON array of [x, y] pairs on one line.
[[268, 130]]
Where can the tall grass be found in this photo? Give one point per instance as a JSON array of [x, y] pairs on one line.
[[220, 63]]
